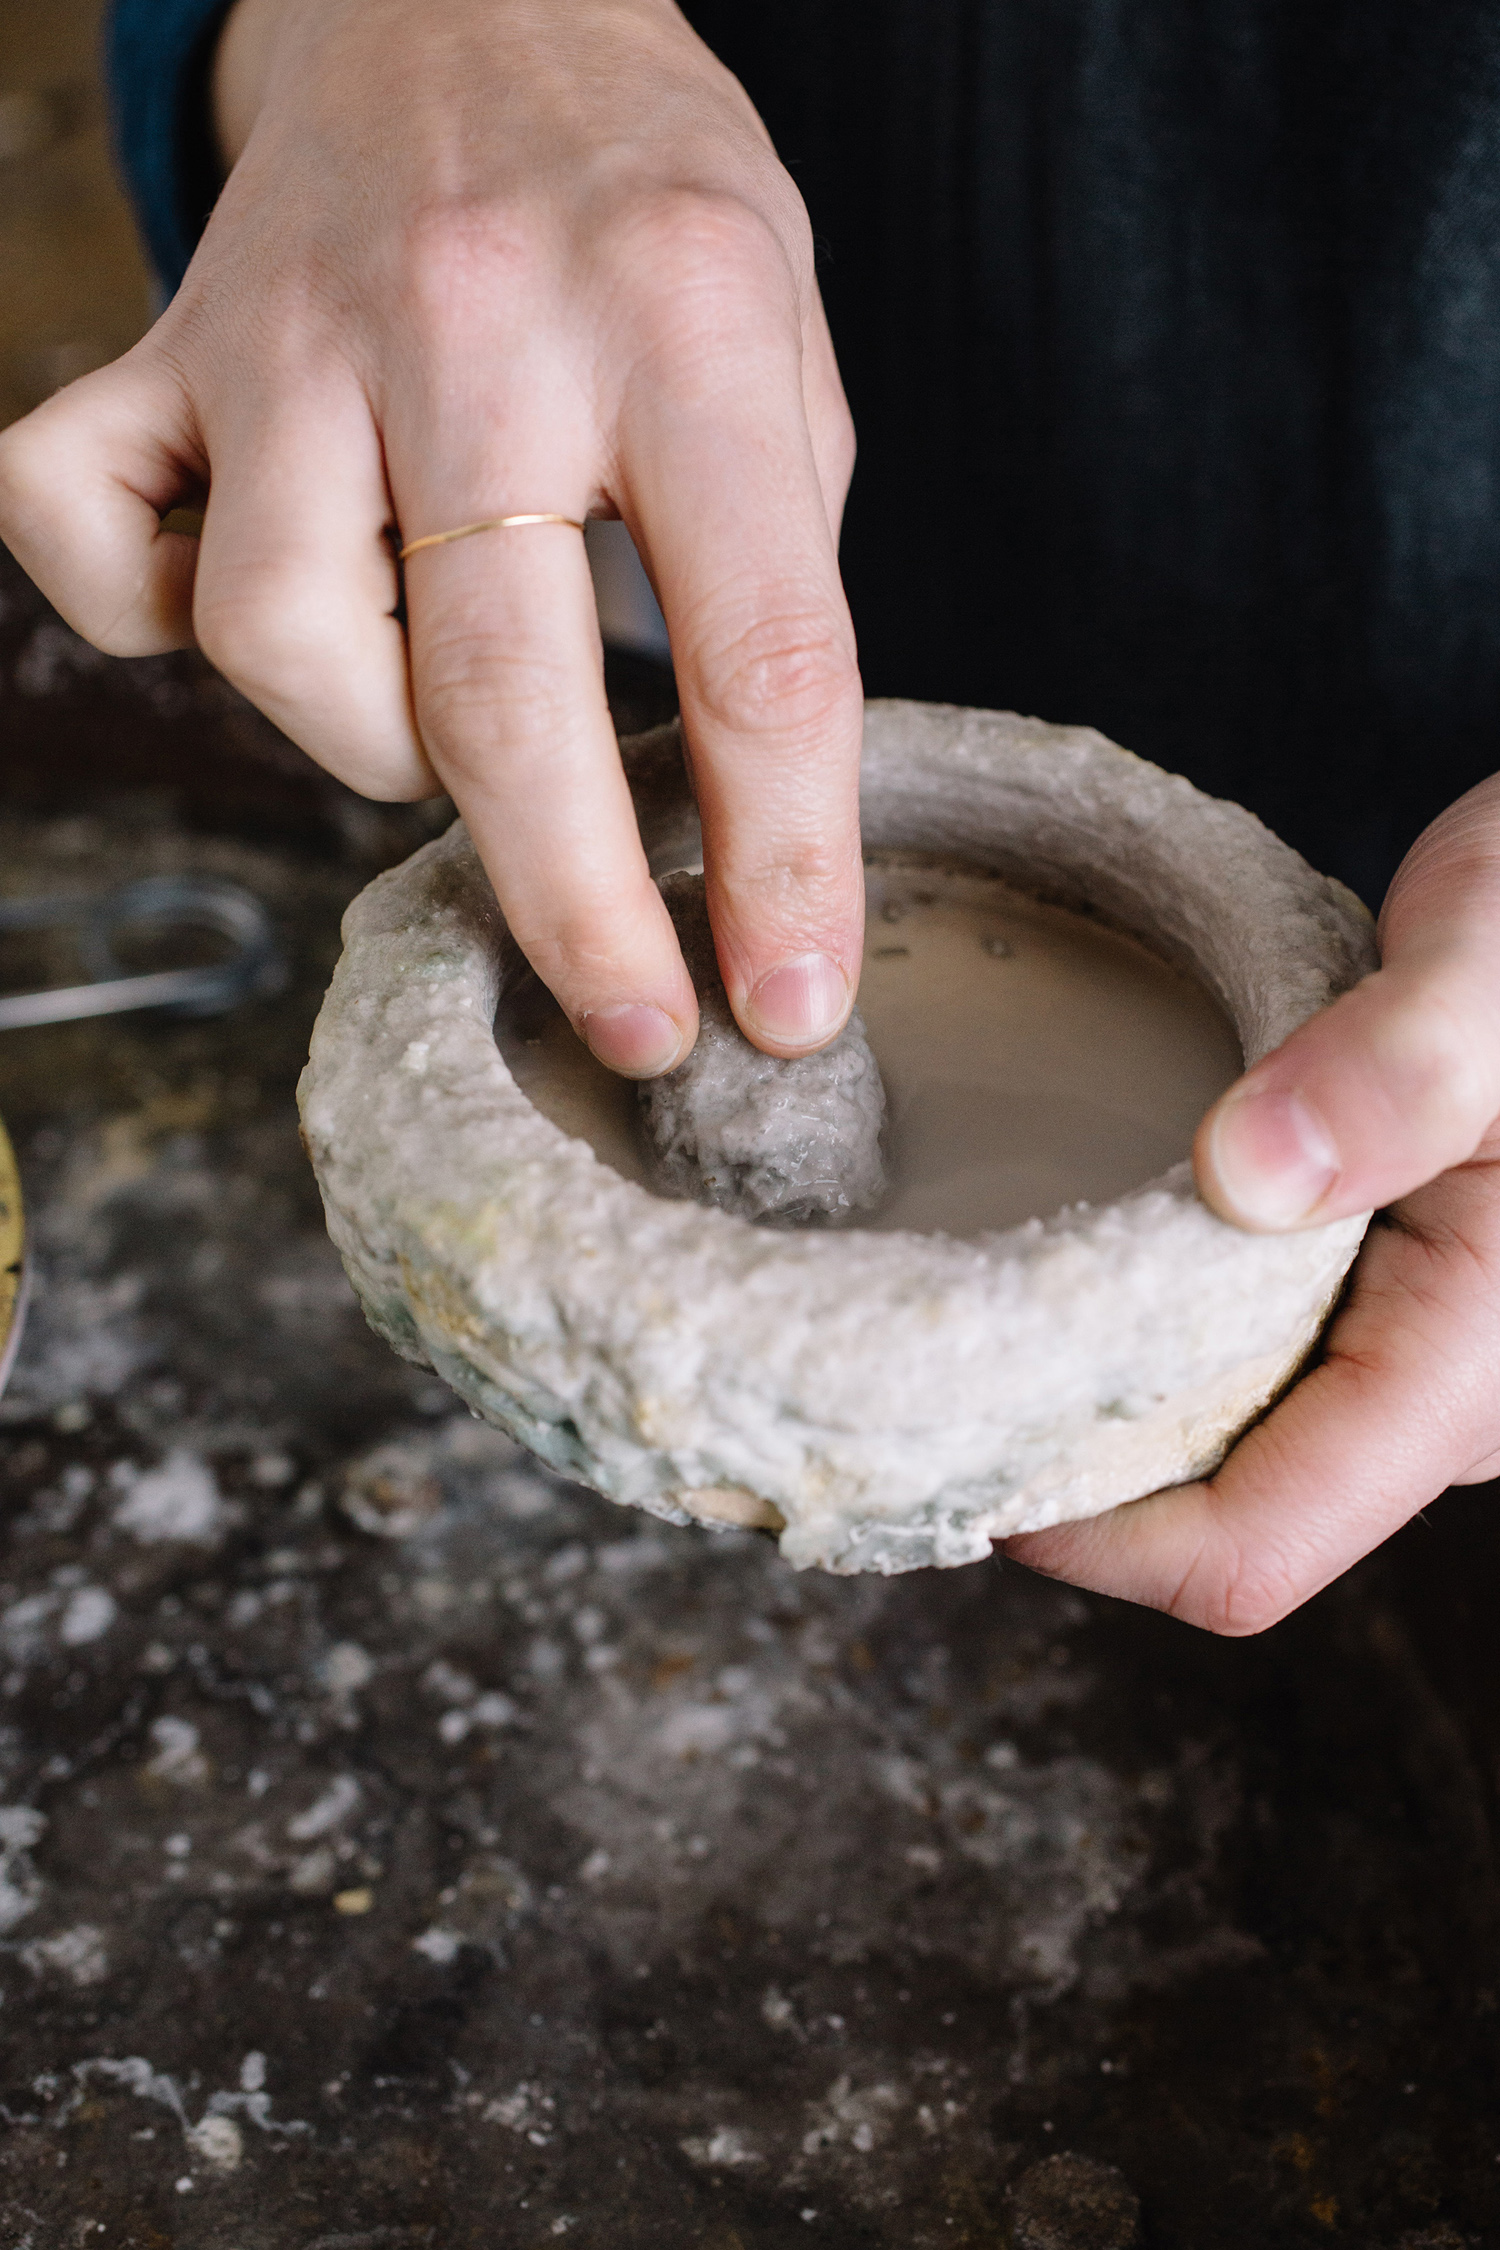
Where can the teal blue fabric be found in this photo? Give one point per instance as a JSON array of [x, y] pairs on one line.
[[1172, 333], [156, 56]]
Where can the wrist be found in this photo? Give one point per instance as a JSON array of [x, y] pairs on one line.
[[252, 30], [241, 66]]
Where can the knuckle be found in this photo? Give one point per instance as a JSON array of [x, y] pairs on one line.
[[577, 952], [803, 881], [38, 468], [790, 675], [31, 490], [467, 678], [390, 781], [1247, 1596], [842, 446], [688, 250], [19, 471], [454, 252], [261, 635], [1442, 1060], [267, 636], [129, 636]]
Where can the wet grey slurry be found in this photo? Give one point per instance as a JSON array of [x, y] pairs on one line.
[[401, 1847]]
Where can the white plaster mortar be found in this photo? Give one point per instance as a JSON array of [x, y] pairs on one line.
[[886, 1400]]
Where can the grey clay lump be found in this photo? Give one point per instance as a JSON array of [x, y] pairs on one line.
[[782, 1143]]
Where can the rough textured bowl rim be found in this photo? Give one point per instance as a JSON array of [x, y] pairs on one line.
[[887, 1399]]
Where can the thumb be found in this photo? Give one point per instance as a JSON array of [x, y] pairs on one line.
[[1397, 1081]]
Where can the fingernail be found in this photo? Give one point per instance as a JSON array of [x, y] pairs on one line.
[[637, 1040], [801, 1003], [1272, 1157]]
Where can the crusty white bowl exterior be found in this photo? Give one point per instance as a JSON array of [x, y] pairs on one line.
[[886, 1400]]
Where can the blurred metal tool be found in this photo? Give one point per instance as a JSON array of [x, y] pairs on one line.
[[160, 904]]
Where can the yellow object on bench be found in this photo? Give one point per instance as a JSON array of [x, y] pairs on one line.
[[12, 1256]]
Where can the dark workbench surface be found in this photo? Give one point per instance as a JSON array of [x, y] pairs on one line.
[[403, 1848]]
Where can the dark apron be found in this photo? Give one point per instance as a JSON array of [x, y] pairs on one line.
[[1172, 334]]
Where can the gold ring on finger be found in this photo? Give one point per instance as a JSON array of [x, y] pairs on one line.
[[490, 523]]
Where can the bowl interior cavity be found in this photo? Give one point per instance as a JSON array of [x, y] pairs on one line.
[[1033, 1058]]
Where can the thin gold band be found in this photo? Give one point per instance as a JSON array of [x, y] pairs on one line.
[[491, 523]]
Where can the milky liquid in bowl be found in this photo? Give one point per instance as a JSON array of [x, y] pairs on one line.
[[1032, 1058]]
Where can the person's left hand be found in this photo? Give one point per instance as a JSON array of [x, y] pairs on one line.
[[1390, 1098]]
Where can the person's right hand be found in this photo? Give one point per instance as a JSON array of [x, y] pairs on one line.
[[474, 258]]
